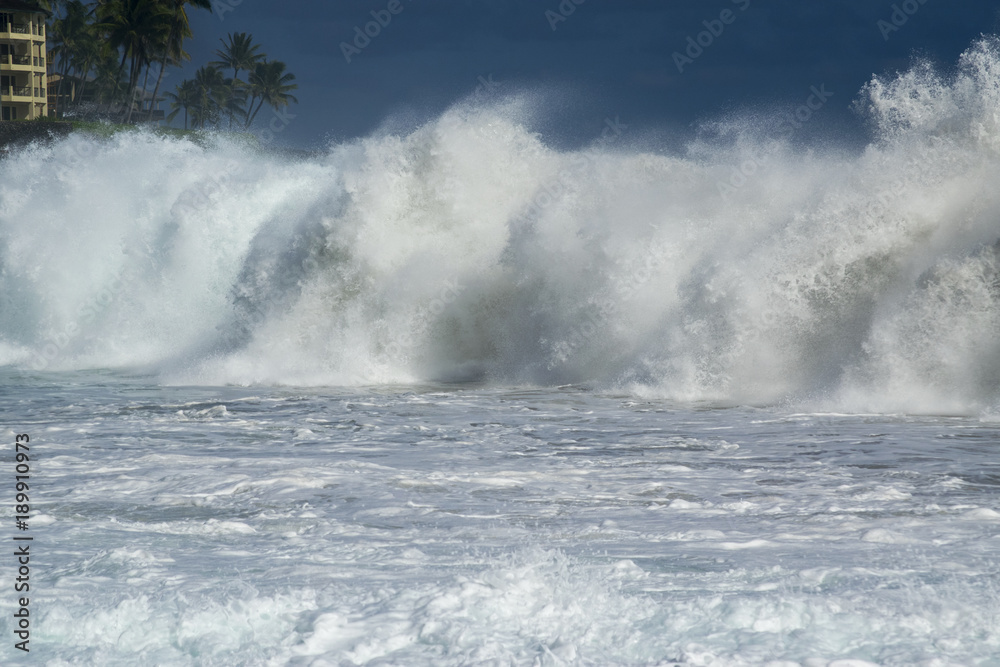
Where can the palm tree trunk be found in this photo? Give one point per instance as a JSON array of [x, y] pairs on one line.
[[250, 116], [121, 68], [159, 78], [62, 81], [256, 111], [236, 73], [145, 82], [83, 79], [132, 86], [128, 92], [163, 67]]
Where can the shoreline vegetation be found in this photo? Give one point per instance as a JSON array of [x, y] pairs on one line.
[[16, 134], [109, 58]]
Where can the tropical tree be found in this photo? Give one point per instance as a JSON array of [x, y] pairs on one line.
[[184, 98], [68, 33], [210, 89], [108, 76], [88, 51], [135, 26], [239, 54], [172, 50], [103, 36], [270, 84], [233, 101]]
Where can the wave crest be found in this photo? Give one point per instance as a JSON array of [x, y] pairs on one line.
[[468, 249]]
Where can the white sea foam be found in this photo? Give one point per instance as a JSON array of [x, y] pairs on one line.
[[469, 249], [495, 526]]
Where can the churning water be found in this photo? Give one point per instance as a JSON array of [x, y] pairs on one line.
[[476, 400]]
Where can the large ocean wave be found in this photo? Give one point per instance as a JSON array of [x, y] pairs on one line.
[[744, 270]]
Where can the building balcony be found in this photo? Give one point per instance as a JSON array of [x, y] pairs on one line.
[[11, 59], [14, 92], [16, 29], [21, 63]]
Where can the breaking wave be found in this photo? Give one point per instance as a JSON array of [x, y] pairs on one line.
[[744, 270]]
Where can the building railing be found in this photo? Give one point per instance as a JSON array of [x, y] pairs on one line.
[[16, 91], [13, 59], [19, 28]]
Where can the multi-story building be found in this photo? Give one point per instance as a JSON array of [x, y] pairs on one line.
[[22, 60]]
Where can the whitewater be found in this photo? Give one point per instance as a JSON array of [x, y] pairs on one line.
[[452, 395]]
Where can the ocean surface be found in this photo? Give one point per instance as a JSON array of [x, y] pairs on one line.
[[452, 396], [462, 525]]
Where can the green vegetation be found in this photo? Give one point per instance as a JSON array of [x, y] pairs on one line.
[[110, 51], [210, 99], [200, 137]]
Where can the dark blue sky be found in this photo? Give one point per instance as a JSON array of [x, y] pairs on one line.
[[608, 58]]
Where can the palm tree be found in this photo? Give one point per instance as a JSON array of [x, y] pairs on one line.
[[270, 84], [87, 51], [185, 97], [210, 88], [240, 54], [233, 101], [180, 29], [107, 76], [67, 34], [136, 26]]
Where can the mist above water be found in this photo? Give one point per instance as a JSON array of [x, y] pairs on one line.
[[742, 270]]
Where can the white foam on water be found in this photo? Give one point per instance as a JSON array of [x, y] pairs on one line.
[[600, 519], [469, 249], [489, 526]]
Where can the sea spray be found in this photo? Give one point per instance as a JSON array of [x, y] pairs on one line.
[[865, 280]]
